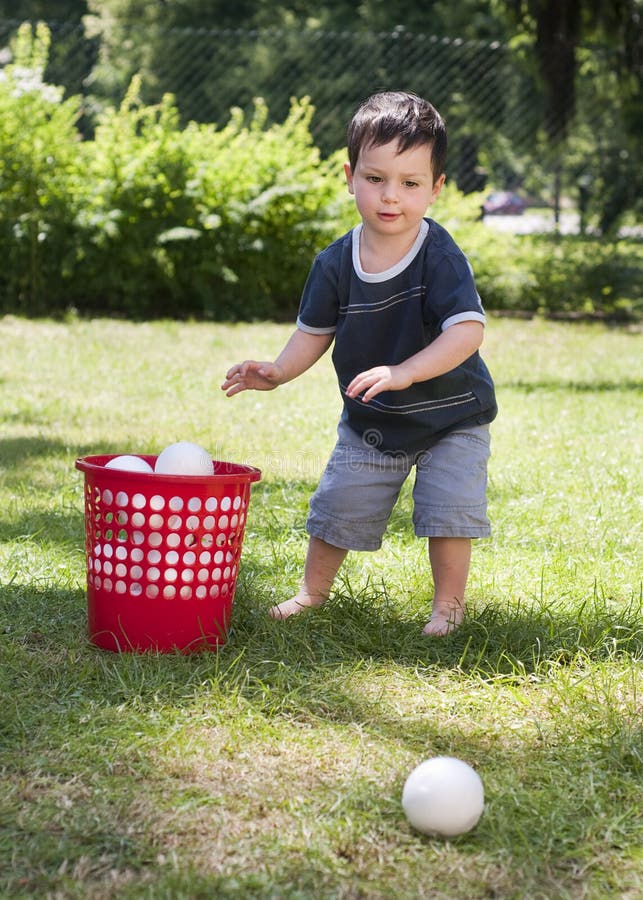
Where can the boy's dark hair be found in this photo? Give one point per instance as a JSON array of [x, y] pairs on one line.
[[398, 116]]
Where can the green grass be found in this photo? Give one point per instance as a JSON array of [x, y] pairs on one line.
[[274, 767]]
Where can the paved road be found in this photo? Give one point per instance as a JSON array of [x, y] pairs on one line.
[[534, 221], [542, 220]]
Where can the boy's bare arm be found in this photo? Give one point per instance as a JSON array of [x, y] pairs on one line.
[[300, 353], [446, 352]]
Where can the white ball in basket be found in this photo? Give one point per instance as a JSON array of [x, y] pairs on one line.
[[129, 464], [184, 458], [443, 796]]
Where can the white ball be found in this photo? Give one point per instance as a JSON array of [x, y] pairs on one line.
[[129, 464], [444, 796], [184, 458]]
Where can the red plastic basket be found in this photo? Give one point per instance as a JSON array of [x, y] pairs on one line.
[[162, 554]]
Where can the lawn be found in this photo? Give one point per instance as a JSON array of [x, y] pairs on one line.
[[274, 767]]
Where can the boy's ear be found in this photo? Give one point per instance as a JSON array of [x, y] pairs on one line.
[[348, 172], [437, 187]]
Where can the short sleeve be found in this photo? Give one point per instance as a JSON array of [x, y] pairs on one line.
[[452, 296], [319, 306]]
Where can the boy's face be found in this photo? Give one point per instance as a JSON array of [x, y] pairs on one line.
[[393, 190]]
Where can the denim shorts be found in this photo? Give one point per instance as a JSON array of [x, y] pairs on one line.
[[360, 485]]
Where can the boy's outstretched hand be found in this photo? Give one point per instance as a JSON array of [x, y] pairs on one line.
[[252, 376]]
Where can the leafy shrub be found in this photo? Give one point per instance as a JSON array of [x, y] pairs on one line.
[[38, 177], [137, 172], [150, 219], [202, 222], [266, 203], [586, 276], [550, 274]]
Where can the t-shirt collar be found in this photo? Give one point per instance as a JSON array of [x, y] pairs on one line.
[[399, 266]]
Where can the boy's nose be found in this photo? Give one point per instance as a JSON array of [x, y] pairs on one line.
[[389, 193]]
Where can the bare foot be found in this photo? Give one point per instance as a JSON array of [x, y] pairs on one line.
[[444, 619], [294, 606]]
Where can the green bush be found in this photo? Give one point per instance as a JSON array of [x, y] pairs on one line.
[[567, 275], [148, 219], [201, 221], [137, 173], [152, 219], [39, 179], [266, 203], [585, 276]]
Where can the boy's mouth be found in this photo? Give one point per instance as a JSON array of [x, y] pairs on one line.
[[388, 216]]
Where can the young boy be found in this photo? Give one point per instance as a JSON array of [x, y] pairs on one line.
[[397, 297]]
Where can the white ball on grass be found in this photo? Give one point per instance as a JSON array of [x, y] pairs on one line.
[[443, 796], [184, 458], [129, 463]]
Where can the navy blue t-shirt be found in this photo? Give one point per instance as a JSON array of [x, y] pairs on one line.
[[383, 319]]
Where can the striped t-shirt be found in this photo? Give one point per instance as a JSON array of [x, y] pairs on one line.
[[383, 319]]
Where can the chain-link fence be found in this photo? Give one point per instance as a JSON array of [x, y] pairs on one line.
[[489, 94]]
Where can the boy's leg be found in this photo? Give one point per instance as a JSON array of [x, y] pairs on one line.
[[351, 506], [450, 558], [451, 509], [322, 564]]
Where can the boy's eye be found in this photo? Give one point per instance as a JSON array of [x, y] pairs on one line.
[[374, 179], [410, 184]]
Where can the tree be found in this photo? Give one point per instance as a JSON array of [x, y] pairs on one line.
[[44, 10], [558, 27]]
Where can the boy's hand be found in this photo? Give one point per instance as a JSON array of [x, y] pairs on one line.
[[252, 376], [381, 378], [447, 351]]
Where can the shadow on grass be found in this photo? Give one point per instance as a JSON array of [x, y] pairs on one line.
[[17, 454], [47, 527], [515, 641], [20, 452], [76, 715], [283, 664], [62, 524]]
